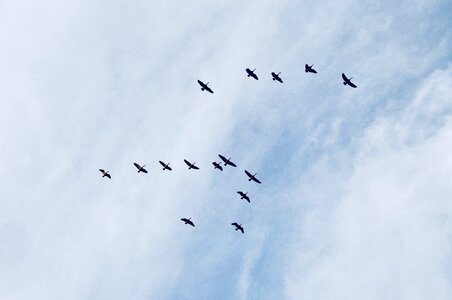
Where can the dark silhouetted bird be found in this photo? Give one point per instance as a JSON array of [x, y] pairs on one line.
[[276, 77], [347, 81], [252, 177], [227, 161], [309, 69], [165, 166], [217, 166], [251, 73], [105, 173], [191, 165], [188, 221], [140, 168], [244, 196], [204, 86], [238, 227]]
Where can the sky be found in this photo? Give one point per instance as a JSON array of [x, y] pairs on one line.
[[355, 200]]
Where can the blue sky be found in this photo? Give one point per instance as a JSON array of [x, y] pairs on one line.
[[355, 201]]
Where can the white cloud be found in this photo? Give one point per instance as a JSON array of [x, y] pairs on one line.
[[388, 236]]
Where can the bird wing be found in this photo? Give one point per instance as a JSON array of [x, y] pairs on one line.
[[232, 164], [108, 175], [344, 77], [352, 84], [248, 174], [169, 168], [256, 180], [102, 170], [143, 170], [242, 230], [137, 165], [235, 224], [162, 163], [187, 163], [195, 167], [222, 158]]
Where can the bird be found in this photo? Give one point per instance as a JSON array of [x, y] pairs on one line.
[[227, 161], [276, 77], [105, 173], [191, 165], [251, 73], [348, 81], [165, 166], [252, 177], [309, 69], [217, 166], [244, 196], [238, 227], [188, 221], [140, 168]]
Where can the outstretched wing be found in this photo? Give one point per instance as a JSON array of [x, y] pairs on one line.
[[222, 158], [256, 180], [137, 166], [248, 174], [108, 175], [209, 89], [241, 229], [232, 164], [144, 170], [235, 224], [187, 163], [351, 84], [162, 163], [102, 170], [195, 167], [345, 78]]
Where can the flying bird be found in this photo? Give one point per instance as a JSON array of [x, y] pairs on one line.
[[347, 81], [204, 86], [238, 227], [140, 168], [227, 161], [244, 196], [188, 221], [217, 166], [190, 165], [276, 77], [105, 173], [309, 69], [252, 177], [251, 73], [165, 166]]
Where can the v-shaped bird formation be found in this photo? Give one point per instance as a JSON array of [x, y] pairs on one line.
[[223, 160]]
